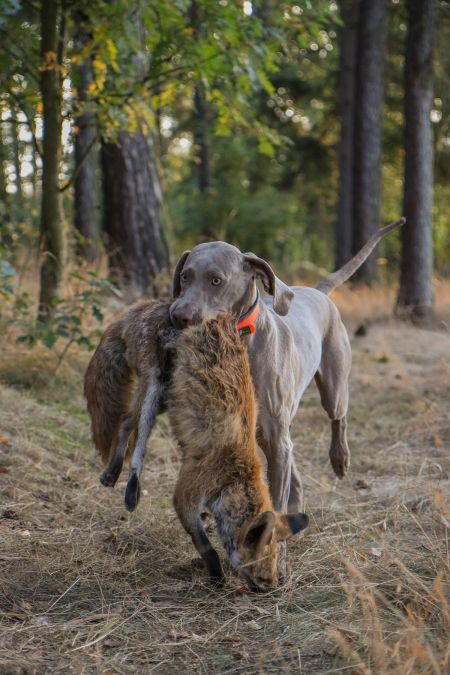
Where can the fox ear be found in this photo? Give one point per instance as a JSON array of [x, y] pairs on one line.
[[289, 524], [260, 532]]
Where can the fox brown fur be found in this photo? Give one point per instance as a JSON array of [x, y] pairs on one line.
[[131, 352], [213, 411]]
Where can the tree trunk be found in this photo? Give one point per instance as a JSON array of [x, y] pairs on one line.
[[347, 73], [201, 139], [136, 245], [5, 215], [86, 205], [416, 295], [52, 227], [18, 196], [369, 98]]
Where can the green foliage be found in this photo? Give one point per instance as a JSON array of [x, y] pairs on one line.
[[77, 318], [270, 83], [71, 321]]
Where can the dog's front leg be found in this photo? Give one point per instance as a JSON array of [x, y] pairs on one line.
[[281, 474]]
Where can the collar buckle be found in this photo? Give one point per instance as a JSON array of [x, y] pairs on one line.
[[247, 320]]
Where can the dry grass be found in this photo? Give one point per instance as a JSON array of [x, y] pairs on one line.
[[87, 588]]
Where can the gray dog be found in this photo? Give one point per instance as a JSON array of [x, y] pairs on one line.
[[292, 338]]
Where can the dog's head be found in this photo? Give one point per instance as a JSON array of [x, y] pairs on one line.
[[216, 278]]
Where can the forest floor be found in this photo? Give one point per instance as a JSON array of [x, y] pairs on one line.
[[87, 588]]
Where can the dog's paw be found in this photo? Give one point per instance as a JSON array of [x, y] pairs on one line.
[[340, 460]]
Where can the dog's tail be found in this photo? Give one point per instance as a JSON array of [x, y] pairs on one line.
[[107, 388], [334, 280]]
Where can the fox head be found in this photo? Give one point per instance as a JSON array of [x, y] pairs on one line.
[[257, 550]]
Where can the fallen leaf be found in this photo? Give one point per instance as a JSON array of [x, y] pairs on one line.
[[444, 521], [16, 616], [361, 484], [253, 625], [229, 638], [86, 619], [4, 469], [5, 440], [438, 441]]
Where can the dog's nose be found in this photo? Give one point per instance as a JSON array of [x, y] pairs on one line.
[[184, 316]]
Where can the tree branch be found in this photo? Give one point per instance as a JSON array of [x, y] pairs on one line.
[[78, 167]]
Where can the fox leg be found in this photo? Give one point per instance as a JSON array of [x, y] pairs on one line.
[[189, 512], [146, 409], [111, 474]]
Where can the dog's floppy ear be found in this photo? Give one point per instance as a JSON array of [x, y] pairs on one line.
[[176, 287], [282, 294]]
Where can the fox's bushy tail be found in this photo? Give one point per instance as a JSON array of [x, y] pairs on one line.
[[107, 388]]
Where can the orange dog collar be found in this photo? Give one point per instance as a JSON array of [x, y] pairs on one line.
[[247, 320]]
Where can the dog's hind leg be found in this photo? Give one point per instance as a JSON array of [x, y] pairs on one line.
[[332, 382], [146, 409], [111, 474]]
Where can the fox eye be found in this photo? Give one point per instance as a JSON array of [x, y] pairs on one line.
[[216, 281]]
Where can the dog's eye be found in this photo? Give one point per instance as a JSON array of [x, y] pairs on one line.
[[216, 281]]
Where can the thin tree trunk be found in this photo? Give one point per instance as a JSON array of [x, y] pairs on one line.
[[34, 165], [18, 196], [347, 75], [201, 123], [201, 139], [5, 206], [86, 200], [416, 294], [367, 158], [52, 227], [136, 244]]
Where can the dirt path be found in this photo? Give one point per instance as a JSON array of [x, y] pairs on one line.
[[86, 588]]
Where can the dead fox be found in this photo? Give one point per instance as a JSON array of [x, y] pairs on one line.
[[213, 411], [134, 350]]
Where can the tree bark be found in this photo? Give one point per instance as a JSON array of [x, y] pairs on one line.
[[136, 244], [52, 226], [18, 196], [347, 74], [369, 98], [5, 215], [86, 205], [416, 294], [201, 139]]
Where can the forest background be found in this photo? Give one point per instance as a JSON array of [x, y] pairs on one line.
[[140, 129]]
